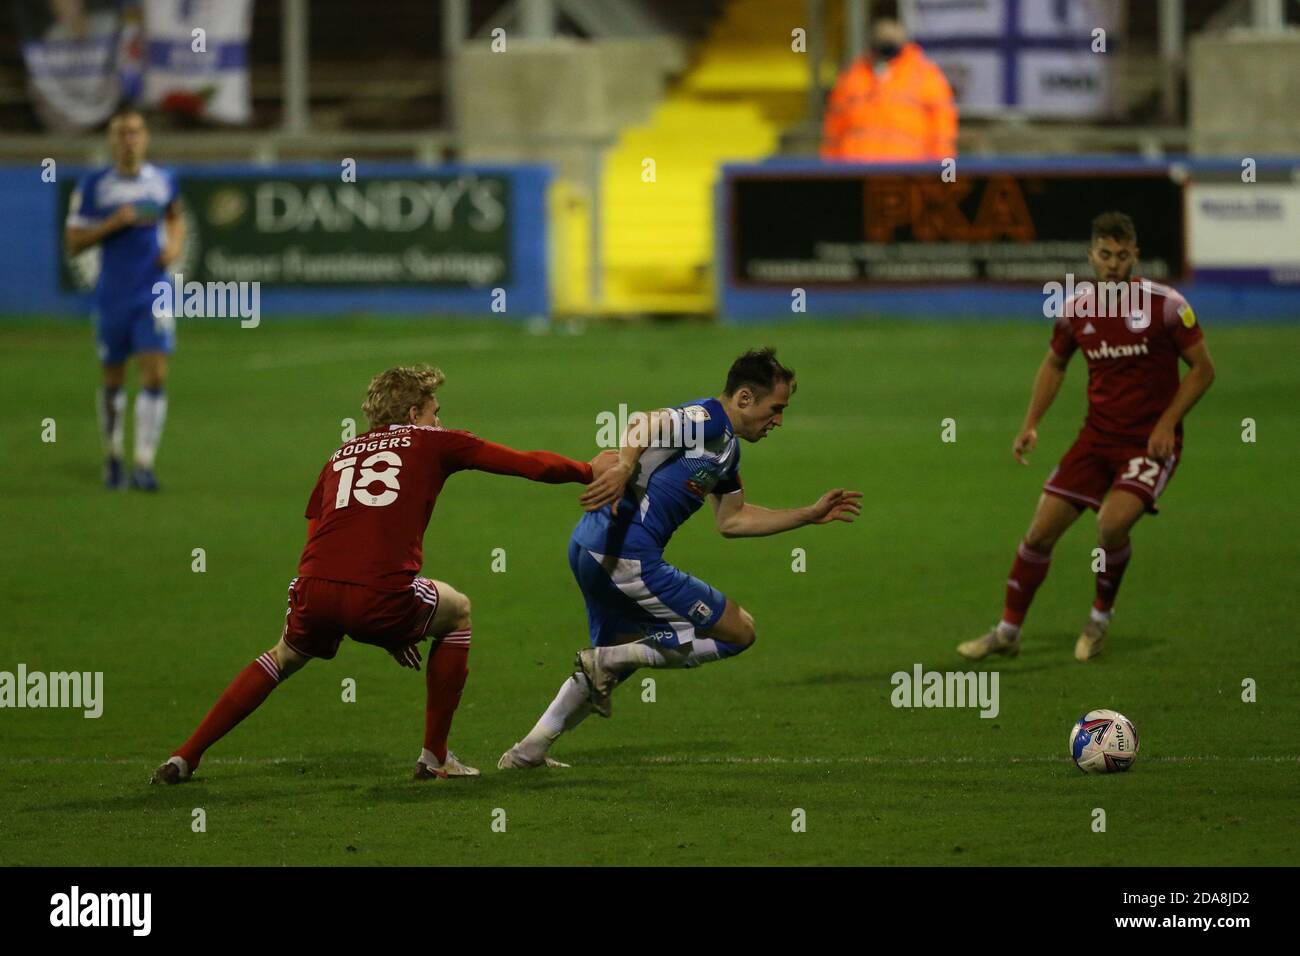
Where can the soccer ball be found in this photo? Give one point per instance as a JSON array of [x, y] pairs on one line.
[[1103, 741]]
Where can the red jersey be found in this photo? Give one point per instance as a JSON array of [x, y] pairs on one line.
[[1132, 343], [373, 499]]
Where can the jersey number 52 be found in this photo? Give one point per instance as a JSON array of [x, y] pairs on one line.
[[359, 490], [1143, 469]]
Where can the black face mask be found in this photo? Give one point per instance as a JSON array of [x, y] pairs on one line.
[[886, 51]]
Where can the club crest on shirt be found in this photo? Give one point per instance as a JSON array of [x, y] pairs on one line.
[[1139, 320], [696, 413], [702, 482]]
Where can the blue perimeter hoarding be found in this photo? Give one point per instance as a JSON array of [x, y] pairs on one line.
[[34, 276]]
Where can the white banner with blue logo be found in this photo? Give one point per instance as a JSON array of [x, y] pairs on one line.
[[196, 58], [71, 53], [1054, 58]]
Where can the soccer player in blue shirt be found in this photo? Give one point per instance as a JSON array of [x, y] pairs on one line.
[[132, 209], [642, 611]]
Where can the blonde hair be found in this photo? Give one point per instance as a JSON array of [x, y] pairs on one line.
[[392, 393]]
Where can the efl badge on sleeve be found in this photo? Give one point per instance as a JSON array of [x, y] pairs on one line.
[[1187, 315]]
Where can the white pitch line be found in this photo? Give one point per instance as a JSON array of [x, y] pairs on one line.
[[1190, 758], [703, 761]]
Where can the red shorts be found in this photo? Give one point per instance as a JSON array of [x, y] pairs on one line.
[[1094, 465], [321, 612]]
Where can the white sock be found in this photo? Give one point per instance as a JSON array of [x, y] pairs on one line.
[[429, 758], [572, 704], [570, 707], [111, 406], [704, 650], [1101, 617], [625, 658], [1010, 630], [150, 414]]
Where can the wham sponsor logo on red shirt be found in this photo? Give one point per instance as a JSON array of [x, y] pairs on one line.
[[1107, 351]]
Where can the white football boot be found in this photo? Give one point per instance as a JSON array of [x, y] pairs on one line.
[[996, 641], [516, 759], [1091, 640], [451, 767]]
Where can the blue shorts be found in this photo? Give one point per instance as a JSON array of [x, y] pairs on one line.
[[643, 596], [123, 332]]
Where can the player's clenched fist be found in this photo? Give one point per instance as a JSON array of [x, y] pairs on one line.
[[836, 505], [1024, 444]]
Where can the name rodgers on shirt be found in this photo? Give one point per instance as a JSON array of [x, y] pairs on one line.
[[378, 444]]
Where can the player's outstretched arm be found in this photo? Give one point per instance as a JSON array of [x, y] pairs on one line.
[[80, 238], [1047, 382], [1199, 377], [543, 466], [737, 519], [607, 489]]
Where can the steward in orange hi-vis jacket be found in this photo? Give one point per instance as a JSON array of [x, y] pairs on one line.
[[890, 109]]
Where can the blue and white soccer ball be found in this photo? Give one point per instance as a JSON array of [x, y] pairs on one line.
[[1103, 741]]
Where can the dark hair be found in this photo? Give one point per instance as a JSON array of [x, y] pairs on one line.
[[1114, 225], [758, 369], [123, 111]]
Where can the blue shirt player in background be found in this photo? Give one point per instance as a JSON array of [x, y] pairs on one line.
[[132, 210], [642, 611]]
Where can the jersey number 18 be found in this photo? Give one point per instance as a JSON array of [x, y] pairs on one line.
[[359, 490]]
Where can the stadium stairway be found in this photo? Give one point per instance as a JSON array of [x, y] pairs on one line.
[[744, 85]]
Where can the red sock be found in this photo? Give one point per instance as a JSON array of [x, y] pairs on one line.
[[244, 695], [1108, 580], [1027, 572], [444, 679]]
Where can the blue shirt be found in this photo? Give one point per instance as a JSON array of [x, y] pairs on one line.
[[129, 258], [699, 457]]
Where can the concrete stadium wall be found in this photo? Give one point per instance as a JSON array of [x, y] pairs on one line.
[[556, 89], [1243, 88]]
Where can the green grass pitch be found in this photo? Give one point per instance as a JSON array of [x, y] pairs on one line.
[[713, 769]]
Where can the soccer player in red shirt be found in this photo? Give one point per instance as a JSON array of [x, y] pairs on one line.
[[1132, 439], [358, 575]]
